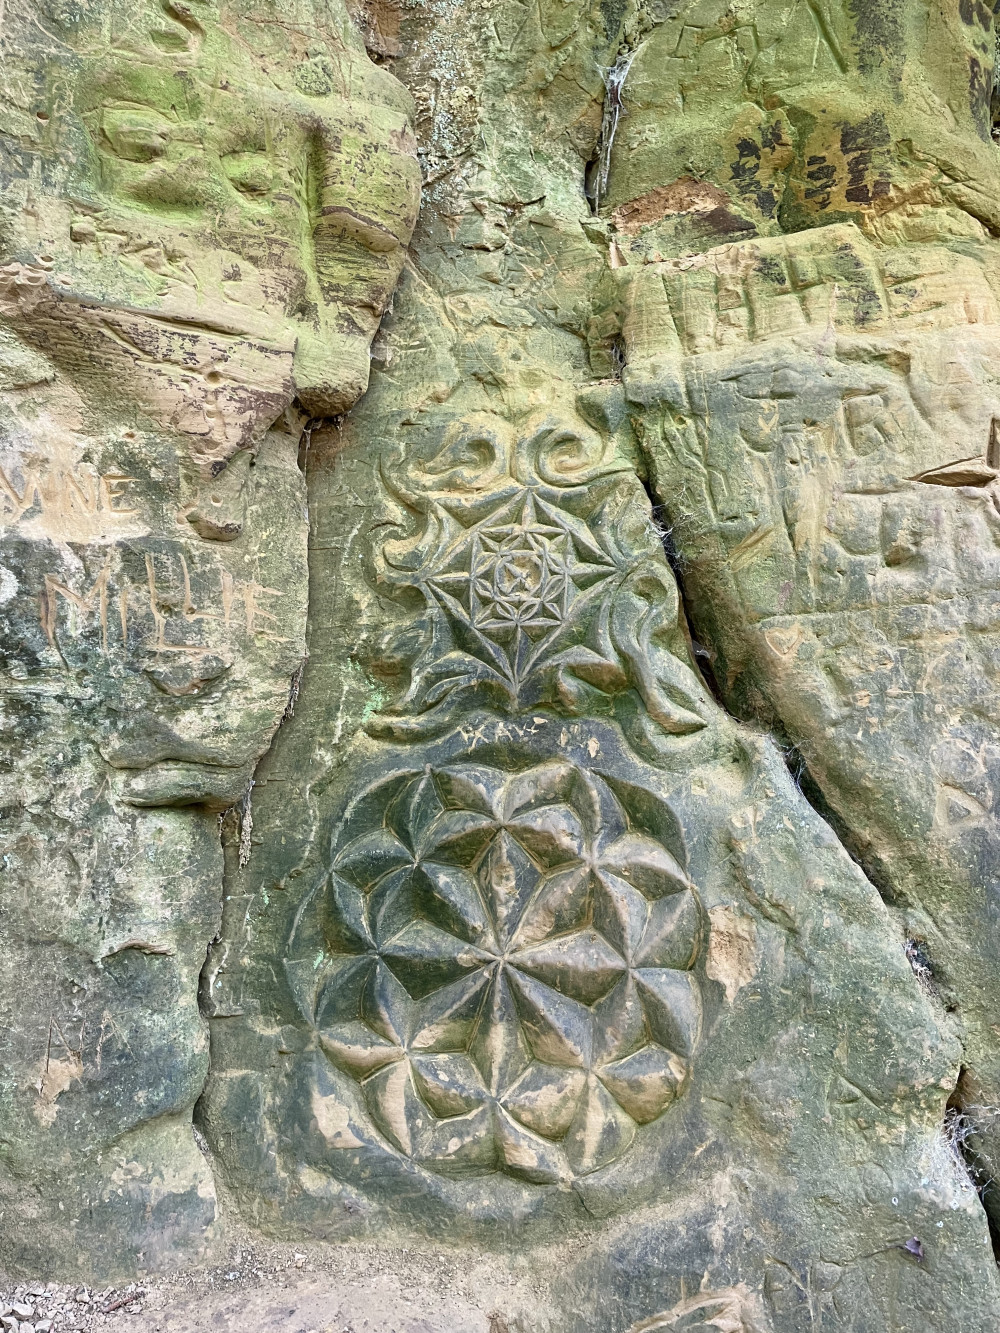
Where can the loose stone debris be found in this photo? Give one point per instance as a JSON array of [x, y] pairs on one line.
[[294, 1289]]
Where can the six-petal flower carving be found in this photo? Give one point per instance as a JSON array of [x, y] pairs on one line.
[[510, 974]]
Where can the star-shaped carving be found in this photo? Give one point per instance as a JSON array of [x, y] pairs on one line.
[[512, 580], [520, 576], [510, 975]]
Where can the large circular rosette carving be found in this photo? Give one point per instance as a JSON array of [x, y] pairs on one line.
[[509, 979]]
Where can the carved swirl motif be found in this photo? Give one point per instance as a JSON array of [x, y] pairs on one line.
[[509, 979], [541, 589]]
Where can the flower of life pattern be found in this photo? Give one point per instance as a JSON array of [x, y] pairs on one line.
[[509, 979]]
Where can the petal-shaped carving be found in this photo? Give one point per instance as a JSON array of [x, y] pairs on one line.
[[394, 1105], [385, 1005], [484, 658], [611, 821], [646, 865], [582, 965], [369, 810], [457, 837], [469, 787], [449, 1084], [545, 1099], [459, 1145], [562, 902], [504, 1002], [558, 1028], [619, 1022], [525, 1154], [600, 1132], [357, 1050], [450, 897], [647, 813], [339, 997], [620, 912], [508, 879], [551, 834], [499, 1049], [672, 1003], [673, 935], [446, 1019], [545, 784], [346, 927], [392, 904], [415, 810], [367, 859], [645, 1083], [425, 958]]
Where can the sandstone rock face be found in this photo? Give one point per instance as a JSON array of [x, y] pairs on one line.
[[615, 902], [204, 214], [838, 533], [819, 414]]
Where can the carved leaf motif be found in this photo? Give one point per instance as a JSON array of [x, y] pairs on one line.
[[499, 1047], [558, 1028], [601, 1129], [349, 932], [371, 857], [449, 1084], [620, 1026], [673, 1008], [620, 912], [448, 1018], [450, 896], [545, 1098], [425, 958], [552, 836], [582, 965], [559, 905], [509, 878], [457, 837], [672, 935], [646, 865], [357, 1049], [527, 1155]]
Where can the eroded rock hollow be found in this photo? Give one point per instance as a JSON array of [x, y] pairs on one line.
[[500, 585]]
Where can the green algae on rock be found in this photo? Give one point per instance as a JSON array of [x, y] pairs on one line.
[[204, 213]]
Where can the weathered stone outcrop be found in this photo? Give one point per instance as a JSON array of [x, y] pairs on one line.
[[204, 213], [618, 873], [819, 413], [437, 1004]]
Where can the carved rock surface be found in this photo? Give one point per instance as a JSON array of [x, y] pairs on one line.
[[611, 908], [416, 992], [819, 415], [203, 215]]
